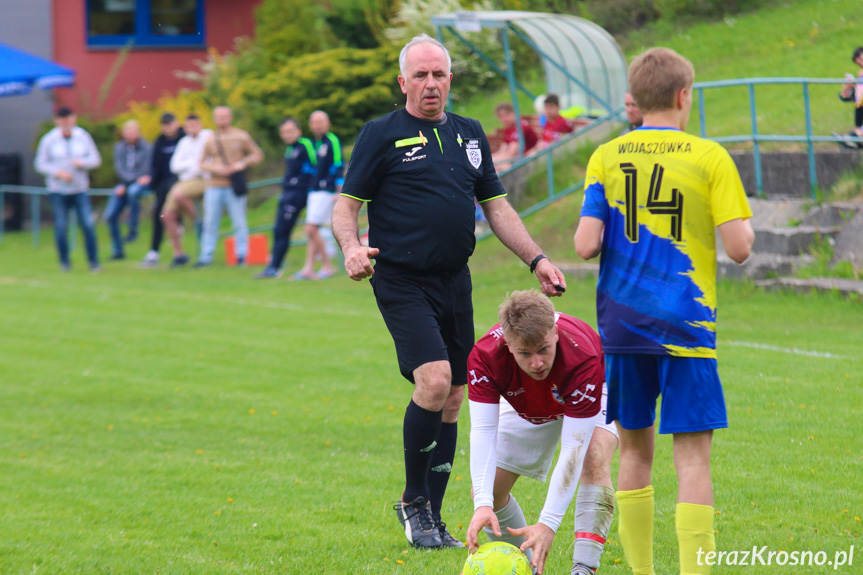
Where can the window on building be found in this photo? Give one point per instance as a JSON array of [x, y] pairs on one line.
[[145, 23]]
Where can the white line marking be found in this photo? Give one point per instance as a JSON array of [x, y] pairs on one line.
[[791, 350]]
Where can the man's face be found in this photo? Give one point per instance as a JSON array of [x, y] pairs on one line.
[[66, 124], [552, 111], [506, 118], [131, 133], [686, 107], [426, 81], [192, 126], [633, 114], [319, 124], [170, 129], [290, 133], [222, 117], [535, 359]]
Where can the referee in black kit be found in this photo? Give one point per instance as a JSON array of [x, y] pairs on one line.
[[420, 170]]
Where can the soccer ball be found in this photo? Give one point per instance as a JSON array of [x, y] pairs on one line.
[[496, 558]]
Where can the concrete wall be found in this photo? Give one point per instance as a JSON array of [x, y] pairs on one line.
[[786, 174], [27, 26]]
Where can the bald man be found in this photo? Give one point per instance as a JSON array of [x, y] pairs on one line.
[[322, 196]]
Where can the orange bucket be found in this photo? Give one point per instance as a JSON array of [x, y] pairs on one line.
[[259, 250]]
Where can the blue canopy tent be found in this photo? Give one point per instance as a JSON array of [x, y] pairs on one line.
[[20, 72]]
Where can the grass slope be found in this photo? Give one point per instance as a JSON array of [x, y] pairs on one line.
[[201, 422], [794, 38]]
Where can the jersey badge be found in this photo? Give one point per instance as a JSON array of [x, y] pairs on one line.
[[473, 151], [556, 395]]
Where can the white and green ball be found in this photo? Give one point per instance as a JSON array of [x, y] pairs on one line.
[[496, 558]]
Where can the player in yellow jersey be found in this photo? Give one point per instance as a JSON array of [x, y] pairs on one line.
[[653, 200]]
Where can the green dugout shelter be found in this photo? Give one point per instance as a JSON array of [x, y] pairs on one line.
[[582, 62]]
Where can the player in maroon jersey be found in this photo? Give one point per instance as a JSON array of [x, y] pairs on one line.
[[549, 368]]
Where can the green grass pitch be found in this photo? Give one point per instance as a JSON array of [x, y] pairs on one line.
[[200, 422]]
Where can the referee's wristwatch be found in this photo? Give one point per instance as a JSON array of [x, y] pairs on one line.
[[536, 261]]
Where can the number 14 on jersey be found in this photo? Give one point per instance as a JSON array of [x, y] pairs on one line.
[[672, 206]]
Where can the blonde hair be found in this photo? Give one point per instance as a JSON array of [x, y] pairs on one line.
[[526, 316], [657, 76]]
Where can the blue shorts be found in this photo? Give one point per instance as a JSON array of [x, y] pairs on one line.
[[692, 398]]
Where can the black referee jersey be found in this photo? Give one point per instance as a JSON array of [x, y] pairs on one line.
[[420, 178]]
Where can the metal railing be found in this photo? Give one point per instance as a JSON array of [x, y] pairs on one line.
[[757, 138], [36, 193]]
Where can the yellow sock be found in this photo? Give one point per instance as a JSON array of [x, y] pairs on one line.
[[695, 537], [635, 526]]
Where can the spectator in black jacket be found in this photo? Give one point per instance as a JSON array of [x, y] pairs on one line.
[[322, 196], [161, 180]]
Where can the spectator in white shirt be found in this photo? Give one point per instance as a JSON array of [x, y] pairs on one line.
[[64, 157], [186, 164]]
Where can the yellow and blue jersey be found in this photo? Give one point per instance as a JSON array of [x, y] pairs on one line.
[[660, 193]]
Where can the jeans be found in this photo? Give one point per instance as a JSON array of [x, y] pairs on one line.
[[214, 200], [116, 205], [61, 204]]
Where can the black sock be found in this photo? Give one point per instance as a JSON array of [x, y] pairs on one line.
[[441, 466], [421, 429]]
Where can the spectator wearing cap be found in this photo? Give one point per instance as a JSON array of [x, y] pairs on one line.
[[65, 155], [162, 179]]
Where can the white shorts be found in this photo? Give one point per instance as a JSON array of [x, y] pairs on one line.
[[528, 449], [319, 208]]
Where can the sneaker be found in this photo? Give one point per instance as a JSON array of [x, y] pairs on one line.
[[846, 140], [300, 276], [65, 267], [180, 260], [416, 518], [118, 256], [201, 264], [151, 260], [447, 540], [95, 269], [268, 273], [241, 262], [131, 238], [582, 569]]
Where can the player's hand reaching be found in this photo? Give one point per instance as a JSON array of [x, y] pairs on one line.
[[550, 278], [539, 538], [483, 517], [358, 264]]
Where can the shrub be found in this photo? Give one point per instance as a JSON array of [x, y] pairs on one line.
[[352, 86]]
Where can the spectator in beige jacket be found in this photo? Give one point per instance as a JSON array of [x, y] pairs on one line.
[[229, 150]]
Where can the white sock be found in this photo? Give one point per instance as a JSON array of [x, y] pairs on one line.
[[510, 515], [594, 508]]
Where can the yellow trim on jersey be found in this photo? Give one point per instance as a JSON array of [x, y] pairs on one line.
[[494, 198], [354, 197]]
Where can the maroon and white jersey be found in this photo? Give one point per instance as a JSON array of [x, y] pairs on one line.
[[573, 386]]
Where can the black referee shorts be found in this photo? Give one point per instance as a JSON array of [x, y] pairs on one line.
[[430, 317]]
